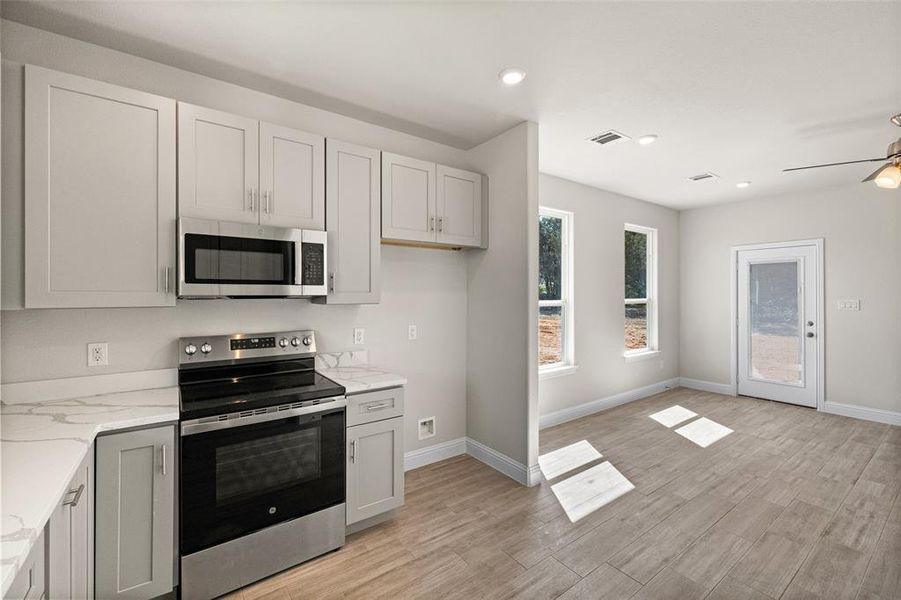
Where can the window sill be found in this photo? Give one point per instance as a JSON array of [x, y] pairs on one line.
[[643, 355], [557, 371]]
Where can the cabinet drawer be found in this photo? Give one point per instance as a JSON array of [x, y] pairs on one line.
[[29, 582], [375, 406]]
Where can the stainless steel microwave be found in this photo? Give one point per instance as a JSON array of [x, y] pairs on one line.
[[221, 259]]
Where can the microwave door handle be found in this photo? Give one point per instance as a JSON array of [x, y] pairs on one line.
[[298, 262]]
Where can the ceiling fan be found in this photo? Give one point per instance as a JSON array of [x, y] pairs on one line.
[[886, 176]]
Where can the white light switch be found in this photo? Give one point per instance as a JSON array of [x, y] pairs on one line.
[[358, 335], [849, 304], [411, 332]]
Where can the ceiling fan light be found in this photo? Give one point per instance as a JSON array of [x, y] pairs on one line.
[[889, 177]]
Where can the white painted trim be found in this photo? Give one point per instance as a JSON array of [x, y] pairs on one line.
[[558, 371], [594, 406], [707, 386], [498, 461], [92, 385], [434, 453], [819, 243], [862, 412], [637, 355]]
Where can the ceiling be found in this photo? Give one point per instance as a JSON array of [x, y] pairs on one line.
[[741, 89]]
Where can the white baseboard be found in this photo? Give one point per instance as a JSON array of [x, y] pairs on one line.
[[432, 454], [574, 412], [862, 412], [50, 390], [707, 386], [497, 461]]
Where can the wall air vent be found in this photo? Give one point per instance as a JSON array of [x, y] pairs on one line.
[[703, 176], [608, 137]]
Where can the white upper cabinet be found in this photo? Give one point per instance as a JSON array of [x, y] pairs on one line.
[[292, 178], [233, 168], [353, 216], [218, 165], [425, 202], [99, 194], [459, 207], [408, 199]]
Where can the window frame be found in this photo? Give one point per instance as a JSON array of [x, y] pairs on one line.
[[650, 299], [567, 364]]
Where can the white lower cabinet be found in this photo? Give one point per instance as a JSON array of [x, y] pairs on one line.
[[135, 534], [69, 537], [30, 582], [375, 466]]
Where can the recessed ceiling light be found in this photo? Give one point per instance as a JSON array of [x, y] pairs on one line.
[[647, 139], [512, 76], [742, 184]]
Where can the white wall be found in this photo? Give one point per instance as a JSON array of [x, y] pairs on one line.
[[861, 225], [501, 409], [425, 287], [599, 219]]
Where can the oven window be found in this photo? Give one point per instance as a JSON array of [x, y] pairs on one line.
[[221, 259], [264, 465]]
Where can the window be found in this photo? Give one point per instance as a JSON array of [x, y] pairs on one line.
[[640, 290], [555, 308]]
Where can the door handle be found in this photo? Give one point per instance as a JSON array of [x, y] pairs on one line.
[[163, 459], [74, 501], [331, 281], [378, 406], [440, 223], [167, 280], [431, 223], [253, 193], [353, 451], [268, 195]]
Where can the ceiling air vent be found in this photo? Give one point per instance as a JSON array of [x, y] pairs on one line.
[[608, 137], [703, 176]]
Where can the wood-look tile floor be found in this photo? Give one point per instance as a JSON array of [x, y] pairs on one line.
[[793, 504]]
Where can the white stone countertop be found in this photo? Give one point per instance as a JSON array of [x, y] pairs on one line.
[[353, 371], [42, 444]]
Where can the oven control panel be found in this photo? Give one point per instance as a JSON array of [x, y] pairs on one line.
[[243, 345]]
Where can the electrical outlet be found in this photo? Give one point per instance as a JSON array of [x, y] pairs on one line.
[[426, 428], [98, 354], [359, 335], [411, 332], [849, 304]]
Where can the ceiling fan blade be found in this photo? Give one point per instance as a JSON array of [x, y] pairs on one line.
[[873, 175], [848, 162]]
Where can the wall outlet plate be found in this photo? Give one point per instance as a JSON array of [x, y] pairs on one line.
[[359, 335], [426, 428], [411, 332], [98, 354]]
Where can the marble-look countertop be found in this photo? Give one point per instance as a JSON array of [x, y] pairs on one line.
[[353, 371], [42, 444]]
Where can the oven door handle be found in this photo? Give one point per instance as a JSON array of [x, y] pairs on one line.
[[205, 424]]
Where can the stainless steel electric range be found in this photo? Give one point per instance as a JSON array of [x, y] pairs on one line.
[[262, 459]]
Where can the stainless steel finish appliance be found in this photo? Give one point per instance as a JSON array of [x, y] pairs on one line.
[[262, 459], [221, 259]]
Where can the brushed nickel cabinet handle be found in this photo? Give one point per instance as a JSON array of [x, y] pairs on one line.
[[253, 194], [74, 501], [353, 451], [378, 406], [331, 281], [163, 459]]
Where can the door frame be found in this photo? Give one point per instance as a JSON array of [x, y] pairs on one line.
[[819, 244]]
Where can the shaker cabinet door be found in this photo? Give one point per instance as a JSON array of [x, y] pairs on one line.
[[69, 538], [375, 468], [218, 165], [353, 218], [459, 207], [408, 199], [135, 531], [292, 178], [99, 194]]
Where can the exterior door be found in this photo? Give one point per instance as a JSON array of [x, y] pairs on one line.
[[218, 165], [292, 178], [777, 324], [408, 199]]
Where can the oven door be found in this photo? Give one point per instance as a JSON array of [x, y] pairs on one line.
[[237, 479], [224, 259]]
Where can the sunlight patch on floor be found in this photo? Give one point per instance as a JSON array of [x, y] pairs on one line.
[[703, 432], [673, 415], [556, 463], [584, 493]]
